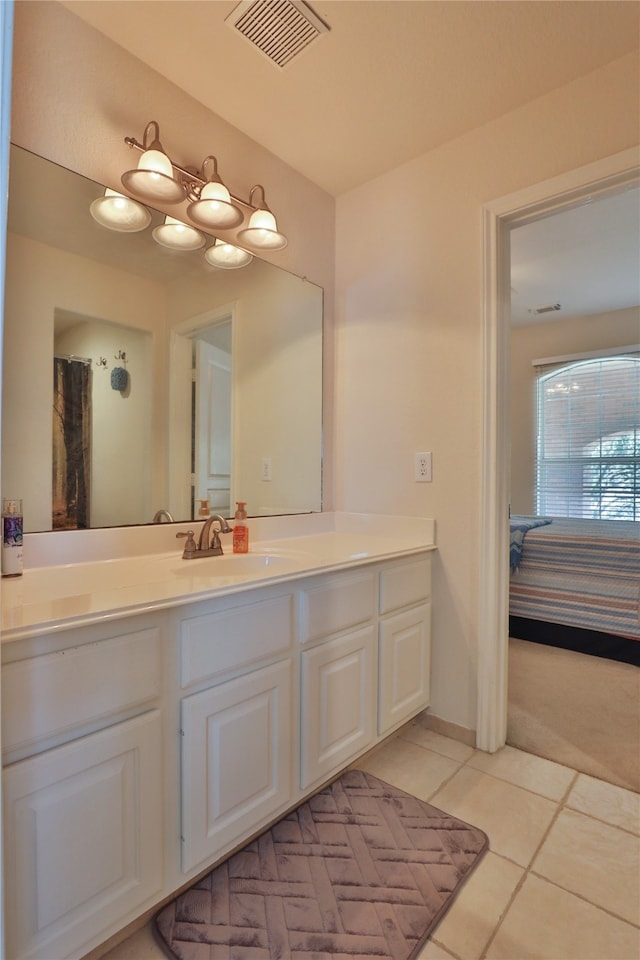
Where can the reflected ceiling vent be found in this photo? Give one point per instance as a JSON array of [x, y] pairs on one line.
[[280, 29], [550, 308]]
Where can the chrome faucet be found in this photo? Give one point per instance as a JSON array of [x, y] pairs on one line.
[[161, 515], [209, 543]]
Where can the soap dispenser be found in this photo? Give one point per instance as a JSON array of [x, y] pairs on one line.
[[240, 529]]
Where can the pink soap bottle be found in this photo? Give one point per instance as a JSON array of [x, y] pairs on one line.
[[240, 529]]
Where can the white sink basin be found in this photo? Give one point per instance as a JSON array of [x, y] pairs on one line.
[[237, 565]]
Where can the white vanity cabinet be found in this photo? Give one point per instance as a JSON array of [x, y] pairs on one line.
[[365, 664], [83, 848], [237, 732], [138, 752]]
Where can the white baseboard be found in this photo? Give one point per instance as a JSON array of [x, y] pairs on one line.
[[447, 729]]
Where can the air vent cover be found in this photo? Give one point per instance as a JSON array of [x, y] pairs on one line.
[[280, 29], [548, 309]]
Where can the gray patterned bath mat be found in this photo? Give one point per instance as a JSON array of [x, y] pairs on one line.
[[359, 871]]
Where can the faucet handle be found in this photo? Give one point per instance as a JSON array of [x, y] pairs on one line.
[[189, 551]]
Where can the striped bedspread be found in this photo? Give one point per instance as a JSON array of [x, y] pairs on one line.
[[582, 573]]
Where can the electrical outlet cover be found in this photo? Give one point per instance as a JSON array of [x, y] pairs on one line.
[[422, 467]]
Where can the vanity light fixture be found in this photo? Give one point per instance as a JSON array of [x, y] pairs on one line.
[[262, 232], [178, 235], [214, 207], [211, 206], [153, 178], [117, 212], [225, 255]]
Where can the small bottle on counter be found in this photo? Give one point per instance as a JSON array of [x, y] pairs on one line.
[[11, 537], [240, 529]]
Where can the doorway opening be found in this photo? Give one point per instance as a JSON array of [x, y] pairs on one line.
[[201, 412], [211, 433], [499, 218]]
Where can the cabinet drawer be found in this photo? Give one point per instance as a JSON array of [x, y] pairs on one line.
[[48, 696], [337, 603], [219, 643], [405, 583]]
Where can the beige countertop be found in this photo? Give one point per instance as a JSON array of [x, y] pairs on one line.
[[57, 596]]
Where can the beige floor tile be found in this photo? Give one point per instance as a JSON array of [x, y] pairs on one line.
[[467, 927], [607, 802], [141, 945], [514, 819], [410, 767], [594, 860], [433, 951], [545, 922], [436, 742], [545, 777]]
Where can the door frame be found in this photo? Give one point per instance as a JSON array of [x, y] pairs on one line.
[[499, 217], [180, 401]]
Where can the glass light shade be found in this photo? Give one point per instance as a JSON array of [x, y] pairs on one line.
[[214, 208], [262, 232], [227, 256], [153, 178], [117, 212], [177, 235]]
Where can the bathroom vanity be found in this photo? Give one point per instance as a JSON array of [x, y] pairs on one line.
[[157, 713]]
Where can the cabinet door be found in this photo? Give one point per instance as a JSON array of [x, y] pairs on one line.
[[236, 760], [405, 662], [337, 700], [83, 835]]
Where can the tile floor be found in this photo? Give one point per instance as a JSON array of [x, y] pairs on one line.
[[562, 878]]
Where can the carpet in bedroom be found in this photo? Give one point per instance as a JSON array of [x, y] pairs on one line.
[[577, 710], [361, 869]]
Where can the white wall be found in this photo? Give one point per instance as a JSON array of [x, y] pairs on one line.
[[409, 333], [600, 331]]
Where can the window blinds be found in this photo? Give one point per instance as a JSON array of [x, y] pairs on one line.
[[588, 449]]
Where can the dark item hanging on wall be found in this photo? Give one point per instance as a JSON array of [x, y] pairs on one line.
[[119, 379], [71, 444]]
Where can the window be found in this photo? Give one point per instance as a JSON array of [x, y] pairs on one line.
[[588, 454]]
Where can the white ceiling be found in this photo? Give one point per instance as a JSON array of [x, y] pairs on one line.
[[390, 80], [587, 259]]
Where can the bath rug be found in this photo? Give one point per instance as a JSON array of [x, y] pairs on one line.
[[359, 871]]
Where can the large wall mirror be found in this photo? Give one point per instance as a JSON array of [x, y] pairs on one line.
[[138, 378]]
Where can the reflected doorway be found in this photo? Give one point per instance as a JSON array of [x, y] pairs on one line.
[[211, 419]]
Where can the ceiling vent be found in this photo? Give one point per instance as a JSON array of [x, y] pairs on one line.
[[280, 29], [548, 309]]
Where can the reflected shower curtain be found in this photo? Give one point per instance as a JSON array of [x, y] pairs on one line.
[[71, 444]]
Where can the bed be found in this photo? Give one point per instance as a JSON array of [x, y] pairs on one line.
[[576, 584]]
